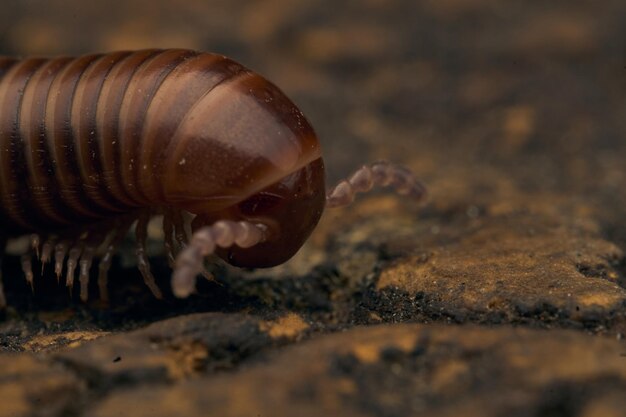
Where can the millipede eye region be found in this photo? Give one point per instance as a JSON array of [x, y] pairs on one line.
[[93, 146], [259, 203]]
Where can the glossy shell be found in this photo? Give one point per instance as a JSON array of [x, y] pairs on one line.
[[88, 138]]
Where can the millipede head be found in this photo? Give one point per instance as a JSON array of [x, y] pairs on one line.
[[289, 210]]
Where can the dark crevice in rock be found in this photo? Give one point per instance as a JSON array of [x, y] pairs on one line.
[[311, 292], [593, 271], [322, 296], [612, 270]]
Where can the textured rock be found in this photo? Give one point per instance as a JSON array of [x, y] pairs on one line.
[[514, 268], [404, 370]]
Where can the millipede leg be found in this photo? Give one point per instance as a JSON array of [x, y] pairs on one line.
[[118, 235], [60, 250], [142, 260], [86, 259], [103, 273], [35, 242], [171, 252], [224, 233], [378, 174], [84, 265], [27, 268], [72, 262], [179, 229], [46, 252], [168, 242]]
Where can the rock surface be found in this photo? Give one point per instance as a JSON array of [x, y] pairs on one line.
[[505, 295]]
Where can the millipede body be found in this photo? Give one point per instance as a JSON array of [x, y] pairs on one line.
[[91, 145]]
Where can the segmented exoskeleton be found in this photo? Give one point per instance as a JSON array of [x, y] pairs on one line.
[[91, 146]]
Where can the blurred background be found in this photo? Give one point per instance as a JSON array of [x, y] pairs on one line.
[[491, 102]]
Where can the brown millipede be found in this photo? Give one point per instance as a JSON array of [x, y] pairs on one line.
[[91, 146]]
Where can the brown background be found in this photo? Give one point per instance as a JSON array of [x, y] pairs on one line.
[[513, 277]]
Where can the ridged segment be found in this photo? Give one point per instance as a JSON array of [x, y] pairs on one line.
[[41, 173], [184, 87], [85, 126], [108, 110], [61, 138], [140, 91], [5, 66], [243, 136], [14, 191]]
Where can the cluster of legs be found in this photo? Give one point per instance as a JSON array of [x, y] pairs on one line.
[[185, 256], [72, 251]]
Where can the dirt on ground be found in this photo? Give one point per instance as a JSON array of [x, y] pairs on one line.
[[504, 295]]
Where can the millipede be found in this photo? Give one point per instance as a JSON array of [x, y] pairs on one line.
[[92, 147]]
